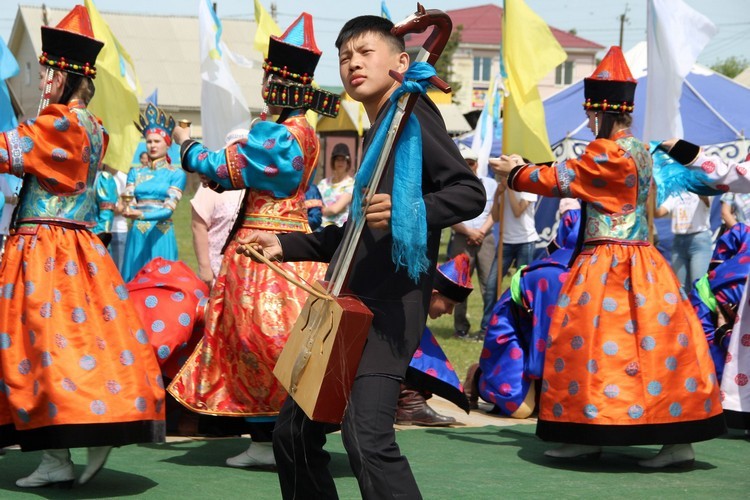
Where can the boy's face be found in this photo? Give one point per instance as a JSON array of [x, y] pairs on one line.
[[440, 304], [364, 63]]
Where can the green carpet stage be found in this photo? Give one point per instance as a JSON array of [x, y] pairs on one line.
[[472, 463]]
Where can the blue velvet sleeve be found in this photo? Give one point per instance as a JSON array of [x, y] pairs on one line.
[[271, 160], [314, 204], [106, 198]]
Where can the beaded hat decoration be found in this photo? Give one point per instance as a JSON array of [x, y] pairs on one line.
[[453, 278], [612, 87], [294, 56], [70, 46], [156, 121]]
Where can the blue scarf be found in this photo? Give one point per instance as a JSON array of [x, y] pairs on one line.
[[673, 178], [408, 216]]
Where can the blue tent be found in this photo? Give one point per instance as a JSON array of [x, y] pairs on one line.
[[715, 111]]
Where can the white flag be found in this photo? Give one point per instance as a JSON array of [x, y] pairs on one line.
[[223, 107], [676, 36]]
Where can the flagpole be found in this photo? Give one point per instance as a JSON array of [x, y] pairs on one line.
[[501, 219]]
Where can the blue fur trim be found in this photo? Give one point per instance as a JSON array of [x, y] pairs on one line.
[[673, 178]]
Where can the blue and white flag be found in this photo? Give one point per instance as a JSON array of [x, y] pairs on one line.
[[384, 12], [223, 107]]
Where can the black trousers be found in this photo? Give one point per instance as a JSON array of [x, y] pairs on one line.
[[369, 439]]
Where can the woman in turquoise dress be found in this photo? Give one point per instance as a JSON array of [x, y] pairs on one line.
[[155, 189]]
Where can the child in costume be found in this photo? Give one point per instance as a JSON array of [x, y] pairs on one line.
[[251, 309], [627, 362], [77, 368]]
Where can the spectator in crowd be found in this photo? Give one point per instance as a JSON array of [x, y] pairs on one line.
[[213, 216], [474, 237], [519, 238], [691, 246], [336, 189]]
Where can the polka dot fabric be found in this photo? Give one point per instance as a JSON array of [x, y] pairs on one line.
[[170, 299], [69, 348], [632, 353]]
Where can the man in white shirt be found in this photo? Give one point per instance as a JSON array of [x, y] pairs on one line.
[[691, 247], [474, 237], [519, 240]]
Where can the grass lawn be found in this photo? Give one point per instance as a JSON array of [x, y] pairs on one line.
[[461, 353]]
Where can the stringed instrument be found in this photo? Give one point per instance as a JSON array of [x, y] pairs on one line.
[[319, 361]]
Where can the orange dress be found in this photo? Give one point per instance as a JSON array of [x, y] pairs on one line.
[[251, 309], [76, 366], [627, 361]]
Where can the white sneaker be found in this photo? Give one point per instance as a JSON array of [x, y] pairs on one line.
[[257, 455], [56, 469], [575, 451], [674, 455]]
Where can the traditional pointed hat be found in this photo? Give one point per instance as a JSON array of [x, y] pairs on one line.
[[70, 46], [453, 278], [612, 87], [294, 55]]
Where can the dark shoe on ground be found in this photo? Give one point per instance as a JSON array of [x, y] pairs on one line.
[[414, 410], [460, 334]]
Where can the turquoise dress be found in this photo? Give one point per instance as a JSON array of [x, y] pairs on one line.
[[157, 189]]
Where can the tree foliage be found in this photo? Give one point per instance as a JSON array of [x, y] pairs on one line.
[[730, 66], [444, 65]]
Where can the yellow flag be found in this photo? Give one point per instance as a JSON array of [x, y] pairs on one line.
[[530, 52], [115, 101], [266, 27]]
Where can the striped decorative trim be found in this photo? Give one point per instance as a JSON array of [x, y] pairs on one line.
[[563, 180], [233, 167], [275, 223], [15, 153], [106, 206]]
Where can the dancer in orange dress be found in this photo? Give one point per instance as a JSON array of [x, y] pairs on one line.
[[627, 361], [76, 367], [252, 310]]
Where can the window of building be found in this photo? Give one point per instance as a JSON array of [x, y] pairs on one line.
[[482, 69], [27, 74], [564, 73]]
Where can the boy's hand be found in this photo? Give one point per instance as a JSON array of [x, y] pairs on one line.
[[378, 214], [266, 243]]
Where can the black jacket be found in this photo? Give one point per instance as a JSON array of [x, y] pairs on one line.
[[452, 193]]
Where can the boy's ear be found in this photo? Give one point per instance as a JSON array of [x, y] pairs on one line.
[[403, 60]]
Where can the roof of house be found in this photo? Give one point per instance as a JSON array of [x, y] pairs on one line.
[[165, 52], [482, 25]]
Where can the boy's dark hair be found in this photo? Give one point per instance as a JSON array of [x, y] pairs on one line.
[[358, 26]]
